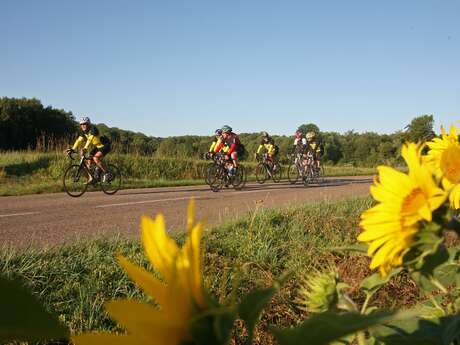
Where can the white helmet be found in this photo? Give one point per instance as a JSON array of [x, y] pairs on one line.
[[84, 120]]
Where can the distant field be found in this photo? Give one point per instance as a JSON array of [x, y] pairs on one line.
[[76, 280], [31, 172]]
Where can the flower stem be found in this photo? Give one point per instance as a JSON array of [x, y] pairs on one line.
[[438, 284], [366, 302]]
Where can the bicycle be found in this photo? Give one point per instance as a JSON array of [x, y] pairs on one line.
[[312, 173], [209, 167], [75, 179], [296, 169], [222, 173], [304, 167], [267, 169]]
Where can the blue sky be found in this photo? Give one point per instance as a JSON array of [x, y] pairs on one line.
[[187, 67]]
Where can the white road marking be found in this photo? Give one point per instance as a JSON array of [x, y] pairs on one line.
[[147, 201], [18, 214]]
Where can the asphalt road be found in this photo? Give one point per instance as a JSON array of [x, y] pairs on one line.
[[52, 219]]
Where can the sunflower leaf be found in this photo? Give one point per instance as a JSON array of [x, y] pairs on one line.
[[22, 317], [371, 284], [251, 307], [326, 327], [436, 331]]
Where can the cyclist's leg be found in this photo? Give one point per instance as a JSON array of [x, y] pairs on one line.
[[234, 156], [99, 155]]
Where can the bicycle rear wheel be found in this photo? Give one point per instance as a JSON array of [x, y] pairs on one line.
[[293, 173], [261, 173], [74, 181], [111, 182]]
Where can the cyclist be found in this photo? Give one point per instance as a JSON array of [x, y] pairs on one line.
[[316, 148], [231, 140], [268, 143], [100, 146], [217, 139], [300, 143]]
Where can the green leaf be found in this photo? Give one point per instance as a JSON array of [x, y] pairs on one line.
[[22, 317], [375, 281], [327, 327], [440, 331], [251, 307], [214, 326], [357, 248]]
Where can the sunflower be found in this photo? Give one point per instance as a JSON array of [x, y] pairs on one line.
[[444, 158], [404, 201], [179, 294]]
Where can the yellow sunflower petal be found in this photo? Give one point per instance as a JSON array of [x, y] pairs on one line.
[[159, 247], [190, 215], [151, 286], [145, 321], [193, 252], [454, 197]]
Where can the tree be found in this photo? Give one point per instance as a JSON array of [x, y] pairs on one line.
[[420, 128], [309, 127]]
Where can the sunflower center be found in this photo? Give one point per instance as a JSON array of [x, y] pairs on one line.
[[450, 164], [413, 202]]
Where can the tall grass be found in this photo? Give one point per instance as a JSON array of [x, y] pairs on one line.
[[75, 280], [34, 172]]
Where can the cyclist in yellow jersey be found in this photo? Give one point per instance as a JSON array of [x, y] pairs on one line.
[[99, 145], [268, 143], [217, 140], [315, 147]]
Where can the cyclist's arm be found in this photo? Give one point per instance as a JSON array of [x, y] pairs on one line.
[[260, 148], [213, 145], [232, 148], [218, 147], [78, 142]]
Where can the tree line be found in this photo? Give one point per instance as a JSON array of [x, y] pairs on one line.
[[27, 124]]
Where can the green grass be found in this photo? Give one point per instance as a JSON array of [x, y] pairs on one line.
[[31, 172], [76, 280]]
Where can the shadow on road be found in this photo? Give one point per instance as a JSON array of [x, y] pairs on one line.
[[253, 186]]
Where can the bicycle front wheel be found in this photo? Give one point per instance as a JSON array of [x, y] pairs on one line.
[[261, 173], [111, 180], [74, 181], [209, 173], [239, 180], [293, 173], [216, 178]]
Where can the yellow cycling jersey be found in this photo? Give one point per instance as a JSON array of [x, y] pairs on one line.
[[270, 148], [92, 137], [217, 142], [314, 146]]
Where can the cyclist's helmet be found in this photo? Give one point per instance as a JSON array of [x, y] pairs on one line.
[[218, 131], [85, 120], [310, 135], [298, 134], [226, 129], [265, 134]]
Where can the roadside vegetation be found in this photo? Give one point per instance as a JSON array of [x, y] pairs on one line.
[[75, 280], [27, 172]]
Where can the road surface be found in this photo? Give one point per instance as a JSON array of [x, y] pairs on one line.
[[44, 220]]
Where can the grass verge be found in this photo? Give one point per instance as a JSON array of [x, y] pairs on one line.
[[76, 280], [31, 172]]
